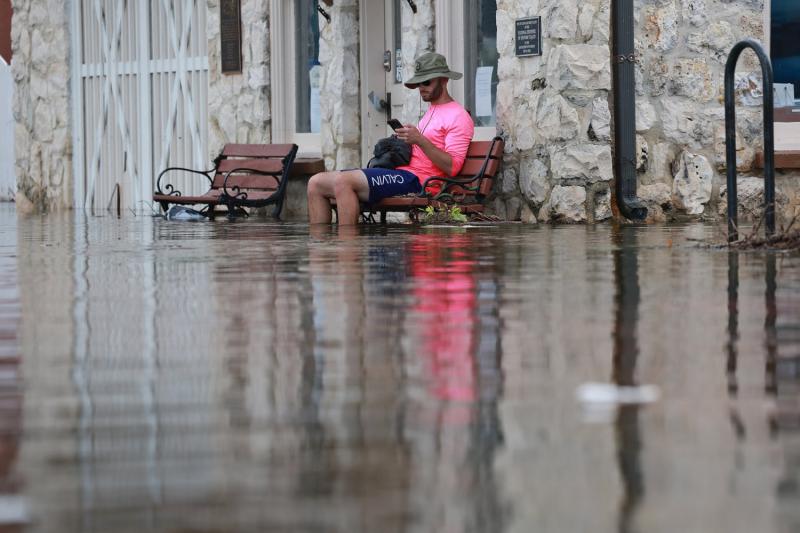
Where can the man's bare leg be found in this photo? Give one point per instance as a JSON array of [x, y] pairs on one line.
[[320, 190], [348, 187]]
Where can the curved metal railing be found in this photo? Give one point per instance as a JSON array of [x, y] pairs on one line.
[[769, 137]]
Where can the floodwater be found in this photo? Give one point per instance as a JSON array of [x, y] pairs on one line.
[[216, 376]]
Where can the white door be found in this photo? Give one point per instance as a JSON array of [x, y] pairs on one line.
[[140, 97], [381, 77]]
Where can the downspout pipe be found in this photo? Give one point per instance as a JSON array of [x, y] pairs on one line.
[[623, 59]]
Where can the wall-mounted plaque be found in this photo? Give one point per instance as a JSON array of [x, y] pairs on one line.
[[230, 31], [528, 36]]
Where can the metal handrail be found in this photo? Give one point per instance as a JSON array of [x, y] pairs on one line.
[[769, 137]]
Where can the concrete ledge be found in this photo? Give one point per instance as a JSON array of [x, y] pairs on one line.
[[295, 206]]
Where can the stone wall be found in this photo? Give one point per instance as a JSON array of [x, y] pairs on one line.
[[40, 42], [238, 104], [339, 101], [683, 46], [554, 112]]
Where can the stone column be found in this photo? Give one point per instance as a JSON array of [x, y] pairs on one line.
[[238, 104], [553, 111], [339, 101], [43, 144], [418, 38]]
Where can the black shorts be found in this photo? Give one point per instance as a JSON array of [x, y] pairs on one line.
[[386, 182]]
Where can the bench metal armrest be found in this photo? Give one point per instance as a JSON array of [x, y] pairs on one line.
[[170, 190], [443, 194], [238, 193]]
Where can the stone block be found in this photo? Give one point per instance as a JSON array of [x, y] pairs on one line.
[[527, 216], [513, 208], [602, 205], [716, 40], [695, 12], [579, 66], [659, 194], [646, 117], [684, 124], [750, 194], [693, 78], [509, 182], [600, 123], [556, 120], [589, 163], [661, 27], [566, 204], [533, 180], [745, 153], [586, 21], [642, 153], [561, 19], [693, 180]]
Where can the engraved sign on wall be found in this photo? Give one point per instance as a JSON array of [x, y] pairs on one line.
[[528, 36], [231, 36]]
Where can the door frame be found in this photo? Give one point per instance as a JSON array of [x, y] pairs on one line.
[[373, 18], [450, 43]]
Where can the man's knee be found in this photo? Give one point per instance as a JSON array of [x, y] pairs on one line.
[[319, 184], [350, 182]]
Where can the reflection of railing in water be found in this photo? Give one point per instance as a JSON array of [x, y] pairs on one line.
[[730, 137]]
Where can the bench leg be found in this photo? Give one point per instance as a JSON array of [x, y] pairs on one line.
[[383, 217]]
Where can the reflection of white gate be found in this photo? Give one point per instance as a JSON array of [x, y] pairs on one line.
[[140, 95]]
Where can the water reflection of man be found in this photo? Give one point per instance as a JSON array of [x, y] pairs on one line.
[[439, 145]]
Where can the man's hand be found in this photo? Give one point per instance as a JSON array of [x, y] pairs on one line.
[[438, 157], [410, 134]]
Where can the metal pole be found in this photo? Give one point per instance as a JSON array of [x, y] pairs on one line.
[[769, 137]]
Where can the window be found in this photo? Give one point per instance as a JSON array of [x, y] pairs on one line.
[[784, 44], [295, 74], [307, 67], [470, 45], [480, 60]]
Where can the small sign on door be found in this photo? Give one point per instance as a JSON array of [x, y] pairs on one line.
[[528, 36]]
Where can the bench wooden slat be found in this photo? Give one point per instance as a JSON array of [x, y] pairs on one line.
[[257, 150], [248, 181], [267, 166], [480, 148], [473, 166]]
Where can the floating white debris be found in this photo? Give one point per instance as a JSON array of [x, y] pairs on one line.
[[610, 394], [13, 510]]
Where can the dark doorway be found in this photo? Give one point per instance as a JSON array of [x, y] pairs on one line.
[[785, 46]]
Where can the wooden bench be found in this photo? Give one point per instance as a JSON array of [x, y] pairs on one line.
[[244, 175], [468, 190]]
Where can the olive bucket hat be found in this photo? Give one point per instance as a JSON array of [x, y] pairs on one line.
[[429, 66]]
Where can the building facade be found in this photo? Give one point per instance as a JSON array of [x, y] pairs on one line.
[[109, 93]]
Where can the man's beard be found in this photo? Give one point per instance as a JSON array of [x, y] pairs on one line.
[[436, 93]]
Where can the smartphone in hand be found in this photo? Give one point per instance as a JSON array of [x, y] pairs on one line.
[[394, 124]]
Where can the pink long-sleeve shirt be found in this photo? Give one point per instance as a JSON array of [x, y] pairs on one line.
[[450, 128]]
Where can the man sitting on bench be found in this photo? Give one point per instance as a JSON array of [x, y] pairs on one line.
[[439, 147]]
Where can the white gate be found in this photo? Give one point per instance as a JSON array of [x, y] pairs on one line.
[[140, 97], [8, 181]]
